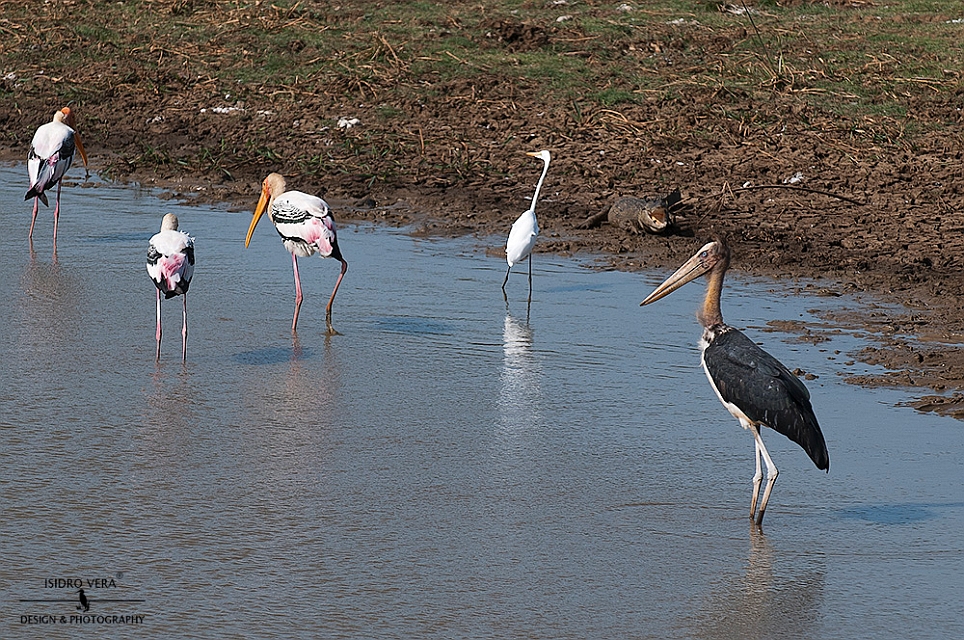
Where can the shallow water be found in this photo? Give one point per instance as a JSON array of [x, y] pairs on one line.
[[444, 467]]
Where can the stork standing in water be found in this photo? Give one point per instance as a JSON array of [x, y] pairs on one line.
[[522, 236], [755, 388], [306, 226], [170, 263], [51, 153]]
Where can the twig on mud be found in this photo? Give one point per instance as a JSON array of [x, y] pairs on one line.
[[172, 52], [930, 83], [391, 50], [465, 62], [793, 187], [790, 187], [12, 29], [619, 120], [725, 195]]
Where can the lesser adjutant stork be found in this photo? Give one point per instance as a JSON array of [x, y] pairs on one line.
[[306, 226], [170, 263], [753, 385], [51, 153]]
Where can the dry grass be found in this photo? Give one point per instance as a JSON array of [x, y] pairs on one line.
[[853, 77]]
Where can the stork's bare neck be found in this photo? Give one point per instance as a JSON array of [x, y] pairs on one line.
[[710, 315]]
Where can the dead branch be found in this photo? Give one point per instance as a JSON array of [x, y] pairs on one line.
[[792, 187]]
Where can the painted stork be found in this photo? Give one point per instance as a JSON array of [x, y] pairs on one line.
[[170, 263], [51, 153], [306, 226], [522, 236], [753, 385]]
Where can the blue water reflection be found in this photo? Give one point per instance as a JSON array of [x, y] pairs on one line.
[[446, 466]]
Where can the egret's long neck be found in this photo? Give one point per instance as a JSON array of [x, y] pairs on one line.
[[535, 196], [710, 314]]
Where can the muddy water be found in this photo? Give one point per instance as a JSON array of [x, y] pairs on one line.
[[443, 468]]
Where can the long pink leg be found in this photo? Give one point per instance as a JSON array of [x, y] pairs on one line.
[[56, 216], [298, 296], [157, 334], [33, 220], [344, 269], [184, 331]]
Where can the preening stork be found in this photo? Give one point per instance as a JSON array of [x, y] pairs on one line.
[[522, 236], [51, 153], [753, 385], [170, 263], [306, 226]]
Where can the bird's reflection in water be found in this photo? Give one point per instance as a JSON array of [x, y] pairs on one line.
[[51, 304], [763, 603], [33, 252], [304, 396], [517, 342], [300, 405], [520, 396], [297, 353], [175, 423], [170, 391]]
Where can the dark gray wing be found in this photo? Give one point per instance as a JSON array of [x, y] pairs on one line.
[[765, 390]]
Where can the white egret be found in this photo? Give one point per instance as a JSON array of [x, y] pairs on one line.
[[522, 236]]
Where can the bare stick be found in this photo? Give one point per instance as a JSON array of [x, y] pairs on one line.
[[796, 188]]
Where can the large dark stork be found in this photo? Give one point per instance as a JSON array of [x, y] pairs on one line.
[[753, 385]]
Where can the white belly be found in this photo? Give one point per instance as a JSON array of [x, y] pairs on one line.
[[732, 408]]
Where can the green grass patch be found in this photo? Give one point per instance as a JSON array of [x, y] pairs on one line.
[[851, 63]]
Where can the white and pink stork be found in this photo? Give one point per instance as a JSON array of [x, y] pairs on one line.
[[51, 153], [170, 263], [306, 227], [754, 386]]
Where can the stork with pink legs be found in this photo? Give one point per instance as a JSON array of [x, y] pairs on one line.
[[306, 227], [51, 154], [170, 263]]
